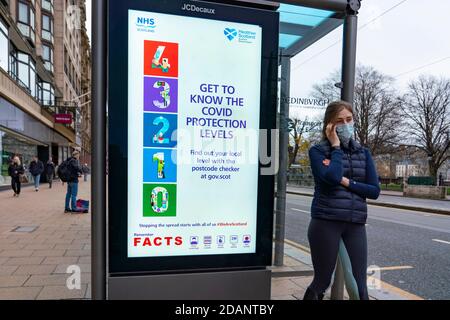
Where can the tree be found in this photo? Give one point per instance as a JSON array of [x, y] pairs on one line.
[[297, 129], [426, 106], [376, 115]]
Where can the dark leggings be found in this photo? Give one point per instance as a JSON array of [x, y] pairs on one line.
[[324, 237], [15, 184]]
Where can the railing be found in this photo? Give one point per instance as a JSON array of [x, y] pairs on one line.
[[300, 176], [19, 82], [5, 3]]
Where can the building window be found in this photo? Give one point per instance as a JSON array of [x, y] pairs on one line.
[[23, 70], [24, 12], [26, 19], [47, 55], [47, 5], [4, 47], [47, 28], [47, 96]]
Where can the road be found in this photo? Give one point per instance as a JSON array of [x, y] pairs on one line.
[[415, 244]]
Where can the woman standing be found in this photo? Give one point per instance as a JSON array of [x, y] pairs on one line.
[[16, 170], [344, 175]]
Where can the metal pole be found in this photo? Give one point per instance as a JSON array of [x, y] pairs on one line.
[[331, 5], [280, 212], [347, 93], [98, 125]]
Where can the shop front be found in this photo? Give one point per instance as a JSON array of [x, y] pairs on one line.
[[25, 136]]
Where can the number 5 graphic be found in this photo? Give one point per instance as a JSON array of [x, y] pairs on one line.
[[159, 136]]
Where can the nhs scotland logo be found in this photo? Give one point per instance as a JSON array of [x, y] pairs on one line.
[[145, 24], [230, 33]]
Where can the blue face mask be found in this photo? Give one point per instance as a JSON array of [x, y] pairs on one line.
[[345, 132]]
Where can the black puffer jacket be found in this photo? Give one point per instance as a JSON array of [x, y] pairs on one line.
[[332, 200]]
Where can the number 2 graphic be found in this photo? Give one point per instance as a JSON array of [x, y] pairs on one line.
[[159, 136]]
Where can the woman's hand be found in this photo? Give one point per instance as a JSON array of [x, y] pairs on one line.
[[345, 182], [332, 135]]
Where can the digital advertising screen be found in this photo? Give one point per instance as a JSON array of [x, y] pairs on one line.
[[192, 172], [192, 114]]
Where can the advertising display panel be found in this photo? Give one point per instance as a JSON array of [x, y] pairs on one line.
[[191, 85]]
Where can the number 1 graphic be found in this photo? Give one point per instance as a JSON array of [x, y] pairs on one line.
[[159, 158]]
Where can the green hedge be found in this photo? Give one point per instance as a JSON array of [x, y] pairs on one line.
[[421, 181], [392, 187]]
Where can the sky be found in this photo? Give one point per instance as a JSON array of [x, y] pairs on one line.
[[401, 38]]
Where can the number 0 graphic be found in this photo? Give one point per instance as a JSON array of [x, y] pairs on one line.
[[164, 201], [159, 136]]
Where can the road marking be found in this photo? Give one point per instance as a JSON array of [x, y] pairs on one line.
[[422, 213], [388, 287], [300, 210], [297, 245], [390, 268], [385, 286], [441, 241]]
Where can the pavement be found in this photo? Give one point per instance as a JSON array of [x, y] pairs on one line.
[[34, 264], [392, 199]]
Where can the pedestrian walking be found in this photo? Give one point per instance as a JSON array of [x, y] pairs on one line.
[[86, 171], [50, 171], [36, 169], [344, 175], [16, 171], [69, 171]]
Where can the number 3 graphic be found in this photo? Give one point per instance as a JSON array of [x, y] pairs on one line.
[[159, 136], [164, 94]]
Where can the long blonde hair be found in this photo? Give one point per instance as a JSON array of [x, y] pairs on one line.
[[16, 159]]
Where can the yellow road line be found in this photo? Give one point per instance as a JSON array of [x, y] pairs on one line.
[[297, 245], [390, 268], [398, 291]]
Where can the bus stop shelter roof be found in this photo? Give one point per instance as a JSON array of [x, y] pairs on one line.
[[301, 26]]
